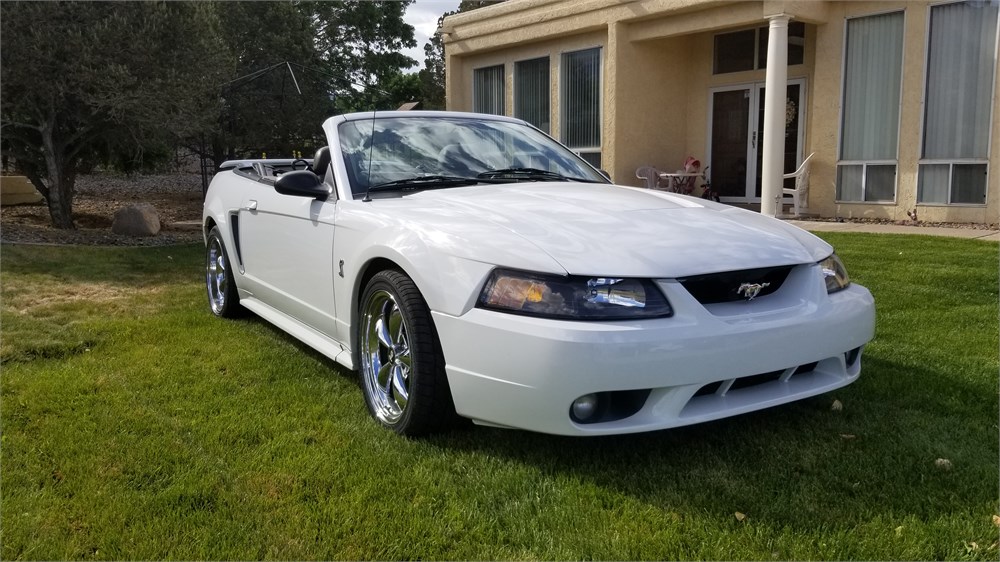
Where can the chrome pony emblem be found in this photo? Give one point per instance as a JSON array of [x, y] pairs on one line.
[[751, 290]]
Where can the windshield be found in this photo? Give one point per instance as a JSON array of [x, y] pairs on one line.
[[453, 148]]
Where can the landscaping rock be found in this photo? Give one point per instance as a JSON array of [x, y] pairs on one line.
[[17, 190], [139, 219]]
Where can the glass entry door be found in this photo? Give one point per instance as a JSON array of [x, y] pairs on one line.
[[736, 132]]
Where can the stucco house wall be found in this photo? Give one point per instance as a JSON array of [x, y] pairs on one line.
[[657, 82]]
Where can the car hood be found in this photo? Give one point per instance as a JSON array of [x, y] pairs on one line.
[[597, 229]]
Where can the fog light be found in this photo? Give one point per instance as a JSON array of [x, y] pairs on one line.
[[585, 406]]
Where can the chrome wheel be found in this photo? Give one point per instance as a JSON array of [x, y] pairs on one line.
[[400, 362], [216, 269], [385, 357], [223, 298]]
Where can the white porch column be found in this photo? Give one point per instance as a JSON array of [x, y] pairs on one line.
[[776, 80]]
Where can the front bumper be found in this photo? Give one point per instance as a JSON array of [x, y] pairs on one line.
[[525, 372]]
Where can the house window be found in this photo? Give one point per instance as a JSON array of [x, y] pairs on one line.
[[487, 90], [531, 92], [869, 129], [738, 51], [961, 62], [581, 103]]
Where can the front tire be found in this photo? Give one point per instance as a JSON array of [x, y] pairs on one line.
[[223, 298], [402, 367]]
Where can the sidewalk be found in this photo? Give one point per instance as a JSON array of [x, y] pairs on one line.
[[970, 233]]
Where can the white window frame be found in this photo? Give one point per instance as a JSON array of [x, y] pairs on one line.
[[840, 126], [753, 90], [923, 120], [951, 169], [864, 181]]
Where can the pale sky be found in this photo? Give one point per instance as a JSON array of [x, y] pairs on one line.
[[423, 16]]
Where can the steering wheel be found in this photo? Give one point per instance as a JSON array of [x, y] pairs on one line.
[[297, 160]]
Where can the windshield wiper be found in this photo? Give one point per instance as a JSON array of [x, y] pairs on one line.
[[530, 174], [423, 182]]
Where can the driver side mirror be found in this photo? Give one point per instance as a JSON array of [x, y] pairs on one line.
[[605, 174], [302, 183]]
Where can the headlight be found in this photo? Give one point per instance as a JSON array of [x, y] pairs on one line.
[[834, 273], [573, 297]]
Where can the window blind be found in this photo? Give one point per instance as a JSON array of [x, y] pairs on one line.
[[531, 92]]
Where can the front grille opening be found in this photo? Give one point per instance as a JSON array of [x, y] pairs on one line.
[[754, 380], [807, 368], [851, 357], [724, 287], [711, 388]]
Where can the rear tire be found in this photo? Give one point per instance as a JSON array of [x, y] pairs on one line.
[[401, 364], [223, 298]]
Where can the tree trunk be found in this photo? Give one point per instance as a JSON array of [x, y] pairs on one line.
[[62, 177], [218, 151], [61, 199]]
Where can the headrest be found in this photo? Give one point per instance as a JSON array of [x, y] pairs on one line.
[[321, 161]]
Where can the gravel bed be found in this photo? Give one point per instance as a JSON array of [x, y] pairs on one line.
[[176, 197]]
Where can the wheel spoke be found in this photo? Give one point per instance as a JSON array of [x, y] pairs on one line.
[[382, 372], [384, 325], [399, 387], [396, 327], [382, 333], [404, 358]]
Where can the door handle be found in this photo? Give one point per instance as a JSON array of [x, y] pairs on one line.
[[251, 205], [753, 140]]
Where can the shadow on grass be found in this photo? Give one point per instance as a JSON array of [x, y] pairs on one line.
[[251, 319], [800, 465]]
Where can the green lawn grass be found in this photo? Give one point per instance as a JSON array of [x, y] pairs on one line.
[[137, 426]]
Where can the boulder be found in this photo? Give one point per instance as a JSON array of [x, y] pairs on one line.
[[17, 190], [139, 219]]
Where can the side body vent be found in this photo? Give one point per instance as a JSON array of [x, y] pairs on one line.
[[234, 220]]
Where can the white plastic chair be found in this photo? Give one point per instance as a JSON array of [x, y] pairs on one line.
[[800, 193], [650, 174]]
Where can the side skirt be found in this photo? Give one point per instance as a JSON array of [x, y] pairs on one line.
[[314, 339]]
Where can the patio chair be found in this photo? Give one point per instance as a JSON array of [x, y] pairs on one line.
[[650, 174], [800, 193]]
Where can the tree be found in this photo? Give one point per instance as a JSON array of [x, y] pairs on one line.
[[341, 57], [398, 89], [278, 88], [361, 42], [80, 82], [432, 76]]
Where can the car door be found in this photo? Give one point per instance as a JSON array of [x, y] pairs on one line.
[[287, 246]]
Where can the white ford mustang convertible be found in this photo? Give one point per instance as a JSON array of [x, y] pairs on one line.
[[470, 266]]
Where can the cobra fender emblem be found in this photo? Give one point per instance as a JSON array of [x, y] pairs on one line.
[[751, 290]]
